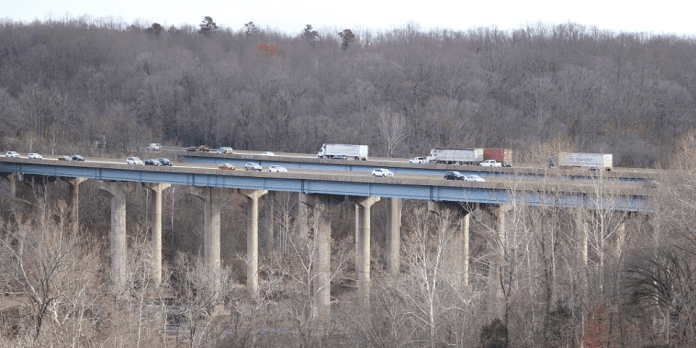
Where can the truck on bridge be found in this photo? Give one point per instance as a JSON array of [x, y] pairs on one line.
[[592, 161], [504, 156], [343, 151], [456, 155]]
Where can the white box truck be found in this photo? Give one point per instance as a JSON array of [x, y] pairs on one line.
[[456, 156], [592, 161], [343, 151]]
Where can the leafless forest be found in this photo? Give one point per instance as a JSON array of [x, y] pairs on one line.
[[65, 83]]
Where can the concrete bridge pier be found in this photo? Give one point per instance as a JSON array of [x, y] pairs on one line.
[[496, 276], [393, 236], [118, 191], [212, 198], [362, 259], [464, 234], [253, 238], [321, 285], [157, 188], [74, 201]]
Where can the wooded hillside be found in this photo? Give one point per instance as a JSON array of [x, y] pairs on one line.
[[401, 91]]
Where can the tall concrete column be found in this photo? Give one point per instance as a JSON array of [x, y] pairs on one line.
[[157, 188], [362, 266], [321, 284], [498, 282], [253, 238], [393, 236], [464, 237], [301, 221], [270, 223], [211, 223], [12, 178], [118, 191], [74, 201]]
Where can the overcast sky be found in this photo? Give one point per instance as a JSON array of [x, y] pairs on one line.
[[656, 17]]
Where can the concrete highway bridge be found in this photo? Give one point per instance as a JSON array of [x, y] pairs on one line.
[[317, 187]]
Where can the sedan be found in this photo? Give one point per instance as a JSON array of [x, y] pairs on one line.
[[252, 166], [78, 158], [268, 153], [65, 158], [382, 172], [34, 155], [226, 166], [165, 162], [13, 154], [418, 160], [452, 175], [474, 178], [133, 160], [153, 162], [277, 169]]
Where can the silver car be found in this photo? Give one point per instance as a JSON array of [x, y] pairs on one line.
[[13, 154], [34, 155], [133, 160], [382, 172], [277, 169], [252, 166]]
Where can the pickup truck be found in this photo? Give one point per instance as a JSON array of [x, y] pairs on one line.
[[418, 160], [490, 163]]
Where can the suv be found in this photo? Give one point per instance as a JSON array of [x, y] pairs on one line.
[[133, 160], [224, 149], [451, 175], [154, 147], [78, 158], [252, 166], [490, 163], [13, 154], [418, 160], [473, 177], [382, 172]]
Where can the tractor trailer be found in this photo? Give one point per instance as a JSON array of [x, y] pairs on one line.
[[592, 161], [456, 156], [343, 151]]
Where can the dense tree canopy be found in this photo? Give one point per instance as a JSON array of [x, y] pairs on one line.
[[623, 93]]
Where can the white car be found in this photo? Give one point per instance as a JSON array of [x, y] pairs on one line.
[[418, 160], [473, 177], [277, 169], [382, 172], [154, 147], [252, 166], [268, 153], [13, 154], [225, 149], [490, 163], [133, 160], [34, 155]]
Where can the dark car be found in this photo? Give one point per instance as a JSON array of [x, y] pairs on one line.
[[65, 158], [165, 162], [153, 162], [78, 158], [451, 175]]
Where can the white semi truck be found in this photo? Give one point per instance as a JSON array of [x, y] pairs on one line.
[[592, 161], [343, 151], [456, 156]]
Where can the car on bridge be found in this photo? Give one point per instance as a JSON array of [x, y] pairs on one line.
[[418, 160], [453, 175], [268, 153], [473, 178], [226, 166], [165, 162], [224, 149], [78, 158], [153, 162], [252, 166], [133, 160], [12, 154], [154, 147], [490, 163], [34, 155], [64, 158], [277, 169], [382, 172]]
